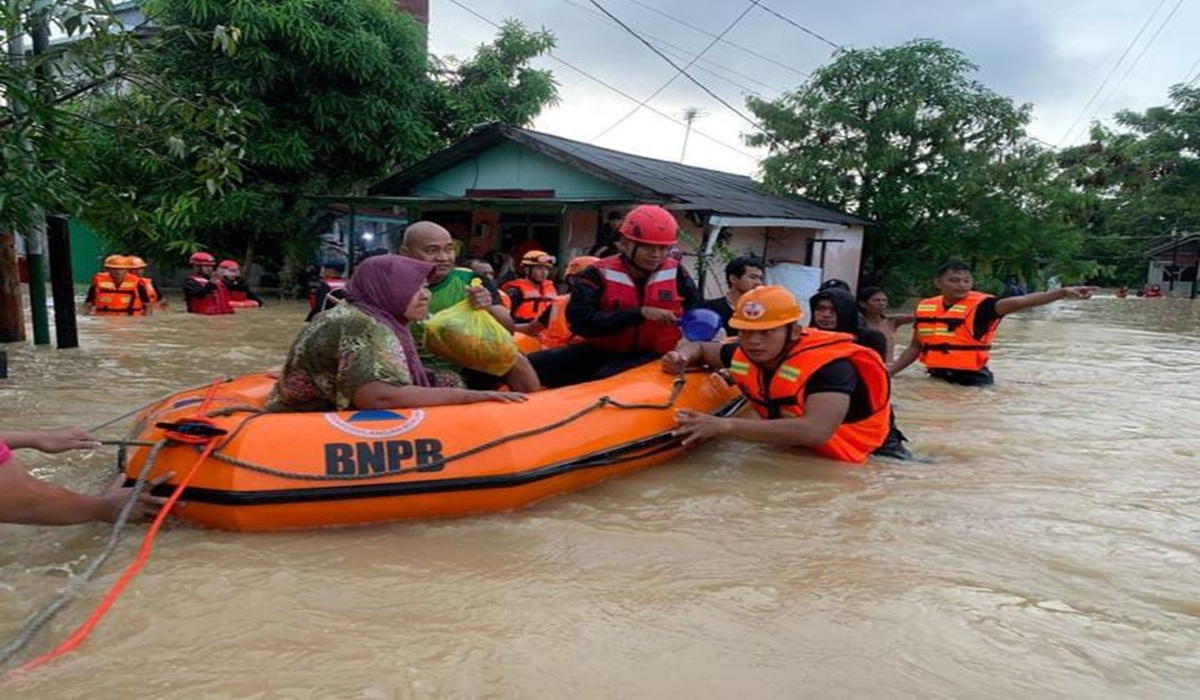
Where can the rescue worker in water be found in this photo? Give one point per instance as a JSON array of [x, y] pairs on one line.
[[953, 332], [816, 389], [117, 291], [204, 291]]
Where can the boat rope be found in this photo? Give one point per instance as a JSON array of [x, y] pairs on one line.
[[81, 633], [676, 388], [75, 586]]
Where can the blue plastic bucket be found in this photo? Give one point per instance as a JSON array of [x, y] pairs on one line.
[[700, 324]]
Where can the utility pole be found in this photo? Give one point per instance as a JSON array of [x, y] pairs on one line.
[[35, 240], [690, 114]]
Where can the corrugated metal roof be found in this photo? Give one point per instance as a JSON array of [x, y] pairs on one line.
[[686, 186]]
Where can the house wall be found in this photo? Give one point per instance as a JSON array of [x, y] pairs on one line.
[[513, 166], [842, 259]]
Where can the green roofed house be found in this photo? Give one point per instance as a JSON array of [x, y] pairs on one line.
[[505, 188]]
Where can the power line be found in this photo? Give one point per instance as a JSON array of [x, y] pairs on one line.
[[801, 27], [685, 54], [617, 90], [704, 31], [676, 66], [1188, 81], [680, 71], [1112, 71], [1133, 64]]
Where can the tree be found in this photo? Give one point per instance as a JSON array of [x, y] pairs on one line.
[[303, 97], [1142, 180], [905, 137]]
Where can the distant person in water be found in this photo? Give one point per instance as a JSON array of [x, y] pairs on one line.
[[953, 332], [330, 289], [240, 294], [1154, 292], [873, 302]]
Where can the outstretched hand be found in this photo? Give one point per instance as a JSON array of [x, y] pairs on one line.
[[502, 396], [695, 427], [62, 440], [117, 495], [1081, 292], [674, 362]]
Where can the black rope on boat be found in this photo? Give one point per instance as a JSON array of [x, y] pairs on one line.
[[676, 388]]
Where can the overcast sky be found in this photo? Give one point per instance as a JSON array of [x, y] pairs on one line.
[[1053, 54]]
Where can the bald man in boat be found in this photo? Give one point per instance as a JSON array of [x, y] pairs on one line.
[[430, 242]]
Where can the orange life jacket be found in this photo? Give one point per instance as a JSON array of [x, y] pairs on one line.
[[111, 298], [621, 292], [557, 333], [534, 298], [780, 394], [946, 335], [151, 291], [214, 303]]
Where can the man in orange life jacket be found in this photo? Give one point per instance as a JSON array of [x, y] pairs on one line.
[[240, 294], [116, 291], [816, 389], [953, 332], [330, 290], [626, 307], [204, 291], [555, 331], [531, 294], [139, 268]]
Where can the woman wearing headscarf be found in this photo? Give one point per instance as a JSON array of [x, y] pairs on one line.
[[360, 353]]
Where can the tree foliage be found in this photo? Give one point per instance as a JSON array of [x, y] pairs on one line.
[[905, 136], [37, 131], [299, 98], [1142, 179]]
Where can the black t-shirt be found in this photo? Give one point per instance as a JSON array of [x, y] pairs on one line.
[[985, 317], [724, 309], [837, 377]]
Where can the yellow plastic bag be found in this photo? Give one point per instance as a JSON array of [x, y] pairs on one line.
[[472, 338]]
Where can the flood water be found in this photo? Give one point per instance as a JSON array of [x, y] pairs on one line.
[[1049, 547]]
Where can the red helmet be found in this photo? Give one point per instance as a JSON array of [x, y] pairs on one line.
[[229, 265], [651, 225], [202, 259]]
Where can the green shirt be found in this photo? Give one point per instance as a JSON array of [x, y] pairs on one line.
[[446, 293]]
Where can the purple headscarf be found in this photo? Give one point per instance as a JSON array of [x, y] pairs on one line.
[[381, 288]]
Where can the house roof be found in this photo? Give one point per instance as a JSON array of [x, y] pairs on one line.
[[683, 186], [1166, 244]]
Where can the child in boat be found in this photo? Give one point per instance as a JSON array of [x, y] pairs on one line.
[[815, 389], [360, 353], [27, 500]]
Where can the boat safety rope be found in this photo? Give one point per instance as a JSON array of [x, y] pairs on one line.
[[81, 633], [676, 388], [75, 586]]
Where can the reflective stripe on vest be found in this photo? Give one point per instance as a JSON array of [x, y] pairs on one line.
[[620, 292], [780, 394], [947, 335], [535, 298], [113, 299]]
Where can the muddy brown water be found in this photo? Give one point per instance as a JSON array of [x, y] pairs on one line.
[[1048, 547]]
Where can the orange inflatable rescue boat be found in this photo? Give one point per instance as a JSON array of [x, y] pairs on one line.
[[279, 471]]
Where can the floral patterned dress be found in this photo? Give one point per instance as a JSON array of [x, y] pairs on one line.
[[338, 353]]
